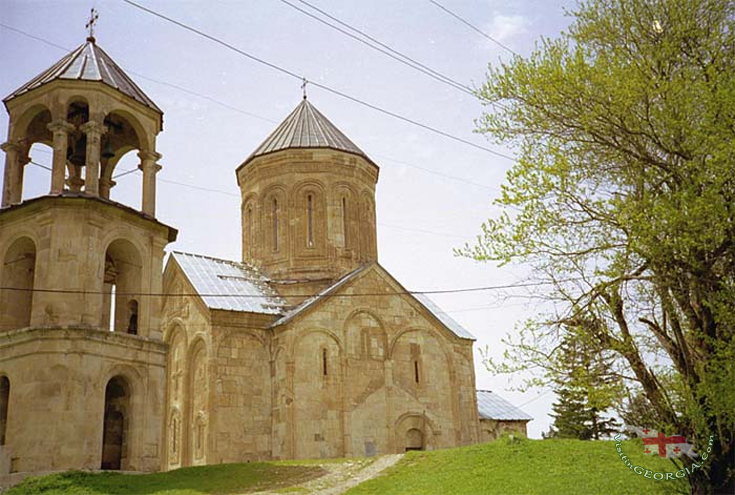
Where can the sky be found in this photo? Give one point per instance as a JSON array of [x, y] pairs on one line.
[[433, 193]]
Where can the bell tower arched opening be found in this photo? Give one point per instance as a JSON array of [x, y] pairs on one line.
[[121, 287]]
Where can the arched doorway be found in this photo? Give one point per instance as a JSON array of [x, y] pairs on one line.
[[116, 424], [414, 440]]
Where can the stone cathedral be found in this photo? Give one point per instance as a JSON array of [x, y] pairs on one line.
[[305, 348]]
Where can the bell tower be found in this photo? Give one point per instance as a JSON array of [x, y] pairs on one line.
[[91, 114], [81, 349]]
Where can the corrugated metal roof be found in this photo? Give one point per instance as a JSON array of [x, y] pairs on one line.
[[88, 63], [448, 321], [216, 276], [306, 127], [492, 406]]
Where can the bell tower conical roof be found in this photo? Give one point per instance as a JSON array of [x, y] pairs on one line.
[[88, 62], [307, 127]]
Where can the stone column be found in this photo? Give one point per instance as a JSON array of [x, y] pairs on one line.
[[94, 131], [60, 128], [105, 186], [150, 168], [11, 165], [17, 181]]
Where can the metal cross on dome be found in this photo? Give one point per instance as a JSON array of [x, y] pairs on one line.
[[303, 85], [93, 16]]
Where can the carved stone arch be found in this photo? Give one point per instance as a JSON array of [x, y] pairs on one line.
[[197, 391], [123, 390], [414, 420], [18, 270], [424, 364], [130, 373], [309, 215], [145, 142], [275, 214], [174, 435], [363, 339], [347, 215], [250, 226], [41, 113], [317, 389], [323, 331], [174, 325], [367, 221], [122, 282], [436, 335]]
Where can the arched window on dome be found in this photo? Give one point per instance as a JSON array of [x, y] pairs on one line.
[[310, 220], [275, 224]]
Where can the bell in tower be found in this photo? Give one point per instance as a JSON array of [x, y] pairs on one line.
[[80, 274]]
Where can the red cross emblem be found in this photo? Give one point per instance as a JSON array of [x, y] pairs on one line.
[[677, 450], [648, 451], [646, 431], [661, 440]]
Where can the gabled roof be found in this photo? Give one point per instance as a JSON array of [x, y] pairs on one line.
[[88, 62], [212, 276], [422, 299], [492, 406], [306, 127]]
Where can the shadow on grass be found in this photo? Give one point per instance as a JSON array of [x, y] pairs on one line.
[[205, 480]]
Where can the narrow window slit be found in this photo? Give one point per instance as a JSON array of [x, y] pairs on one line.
[[324, 362], [310, 219]]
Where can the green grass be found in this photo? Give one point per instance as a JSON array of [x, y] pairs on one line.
[[218, 479], [504, 467], [524, 467]]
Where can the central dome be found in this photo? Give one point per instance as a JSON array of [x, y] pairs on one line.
[[306, 127]]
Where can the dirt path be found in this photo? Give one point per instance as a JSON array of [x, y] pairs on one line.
[[341, 476]]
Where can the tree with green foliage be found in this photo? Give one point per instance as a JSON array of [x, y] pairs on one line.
[[623, 201], [585, 390]]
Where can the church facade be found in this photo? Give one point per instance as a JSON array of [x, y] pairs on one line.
[[305, 348]]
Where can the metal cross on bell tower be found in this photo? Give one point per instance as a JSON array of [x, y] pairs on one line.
[[93, 16]]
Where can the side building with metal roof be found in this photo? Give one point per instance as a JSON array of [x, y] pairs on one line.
[[499, 417]]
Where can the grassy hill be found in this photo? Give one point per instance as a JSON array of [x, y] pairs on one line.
[[524, 467], [504, 467]]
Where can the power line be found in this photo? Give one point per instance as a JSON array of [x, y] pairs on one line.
[[41, 165], [535, 398], [234, 195], [148, 78], [473, 27], [239, 110], [316, 84], [268, 296], [386, 50]]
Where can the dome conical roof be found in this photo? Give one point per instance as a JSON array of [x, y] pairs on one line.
[[306, 127], [88, 63]]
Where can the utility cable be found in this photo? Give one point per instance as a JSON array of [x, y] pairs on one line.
[[473, 27], [268, 296], [245, 112], [317, 84]]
